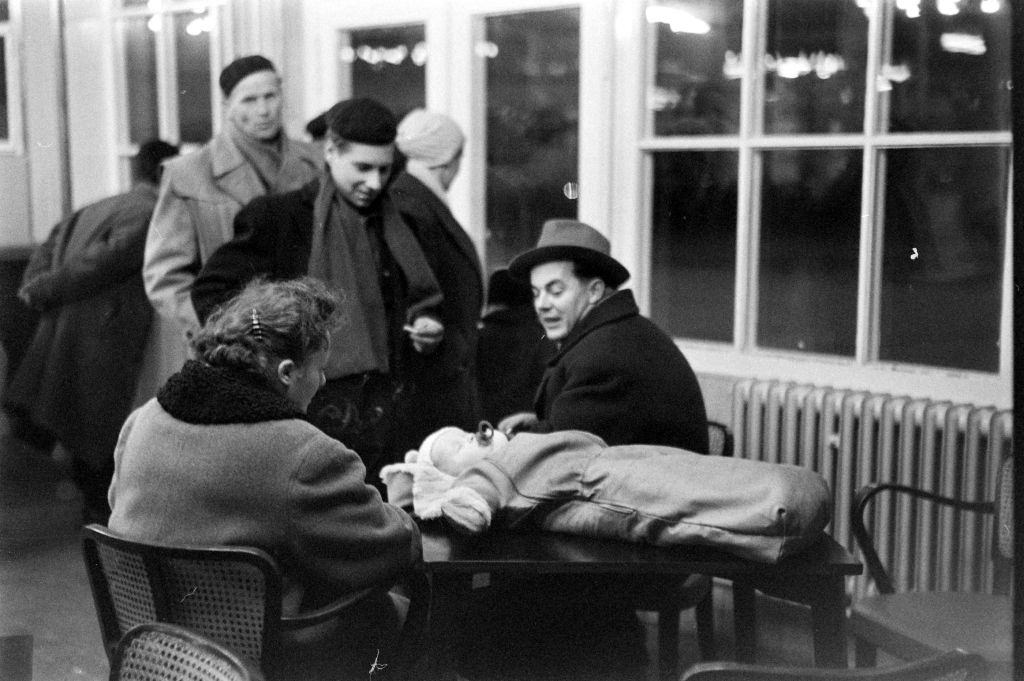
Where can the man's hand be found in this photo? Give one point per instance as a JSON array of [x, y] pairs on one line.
[[426, 333], [510, 424]]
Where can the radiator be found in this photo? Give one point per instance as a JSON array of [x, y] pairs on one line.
[[852, 438]]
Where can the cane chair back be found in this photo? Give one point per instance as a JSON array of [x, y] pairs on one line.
[[230, 594], [165, 652]]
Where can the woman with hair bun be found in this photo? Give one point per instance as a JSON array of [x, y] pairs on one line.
[[224, 455]]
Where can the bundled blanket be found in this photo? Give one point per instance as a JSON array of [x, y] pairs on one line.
[[571, 481]]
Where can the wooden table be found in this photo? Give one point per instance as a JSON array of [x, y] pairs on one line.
[[816, 578]]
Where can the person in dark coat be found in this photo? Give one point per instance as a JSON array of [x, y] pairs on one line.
[[444, 391], [513, 351], [616, 374], [344, 229], [78, 375]]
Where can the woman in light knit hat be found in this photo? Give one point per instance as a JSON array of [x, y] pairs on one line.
[[443, 385]]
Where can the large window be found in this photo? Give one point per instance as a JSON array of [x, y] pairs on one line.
[[855, 207], [387, 63], [169, 65], [533, 89]]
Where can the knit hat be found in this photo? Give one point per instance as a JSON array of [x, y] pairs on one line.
[[362, 120], [432, 138], [575, 241], [234, 72]]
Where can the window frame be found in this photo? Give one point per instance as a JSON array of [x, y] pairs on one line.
[[10, 34], [167, 102], [743, 357]]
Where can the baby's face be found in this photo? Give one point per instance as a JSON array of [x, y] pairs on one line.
[[455, 450]]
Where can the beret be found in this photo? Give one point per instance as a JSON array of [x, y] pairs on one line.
[[240, 68], [362, 120]]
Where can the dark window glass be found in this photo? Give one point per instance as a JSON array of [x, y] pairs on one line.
[[697, 67], [532, 66], [5, 10], [810, 216], [140, 77], [388, 64], [950, 66], [945, 215], [693, 245], [5, 122], [134, 3], [814, 66], [192, 45]]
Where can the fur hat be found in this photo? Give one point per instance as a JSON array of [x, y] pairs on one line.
[[575, 241], [234, 72], [362, 120]]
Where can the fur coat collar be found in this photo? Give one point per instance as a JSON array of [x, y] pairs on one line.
[[203, 394]]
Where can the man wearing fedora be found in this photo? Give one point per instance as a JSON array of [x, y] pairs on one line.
[[615, 373]]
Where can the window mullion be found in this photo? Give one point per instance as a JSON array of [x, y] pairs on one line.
[[167, 78], [747, 210], [869, 270]]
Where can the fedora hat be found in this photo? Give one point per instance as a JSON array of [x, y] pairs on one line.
[[575, 241]]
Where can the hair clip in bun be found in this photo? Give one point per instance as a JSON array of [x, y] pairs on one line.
[[256, 329]]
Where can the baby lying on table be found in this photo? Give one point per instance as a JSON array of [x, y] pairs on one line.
[[571, 481]]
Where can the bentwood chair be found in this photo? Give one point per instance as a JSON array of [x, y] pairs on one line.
[[670, 599], [952, 666], [231, 594], [912, 625], [166, 652]]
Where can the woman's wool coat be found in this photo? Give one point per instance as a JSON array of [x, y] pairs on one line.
[[217, 458]]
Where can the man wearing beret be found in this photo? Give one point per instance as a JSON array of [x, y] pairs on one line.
[[615, 373], [343, 228], [201, 193]]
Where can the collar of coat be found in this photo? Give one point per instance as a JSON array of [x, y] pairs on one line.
[[202, 394], [616, 307]]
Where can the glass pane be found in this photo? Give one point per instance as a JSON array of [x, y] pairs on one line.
[[140, 77], [5, 10], [192, 47], [693, 244], [945, 217], [810, 217], [950, 66], [5, 123], [134, 3], [814, 67], [532, 66], [388, 64], [697, 73]]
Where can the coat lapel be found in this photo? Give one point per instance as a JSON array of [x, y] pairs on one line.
[[231, 172]]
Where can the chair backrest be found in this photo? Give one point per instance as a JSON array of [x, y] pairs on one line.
[[165, 652], [956, 665], [1002, 543], [230, 594], [720, 441]]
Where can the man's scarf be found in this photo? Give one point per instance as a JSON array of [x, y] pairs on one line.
[[265, 158], [341, 256]]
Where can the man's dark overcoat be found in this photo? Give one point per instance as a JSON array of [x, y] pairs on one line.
[[445, 385], [77, 377], [619, 376]]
